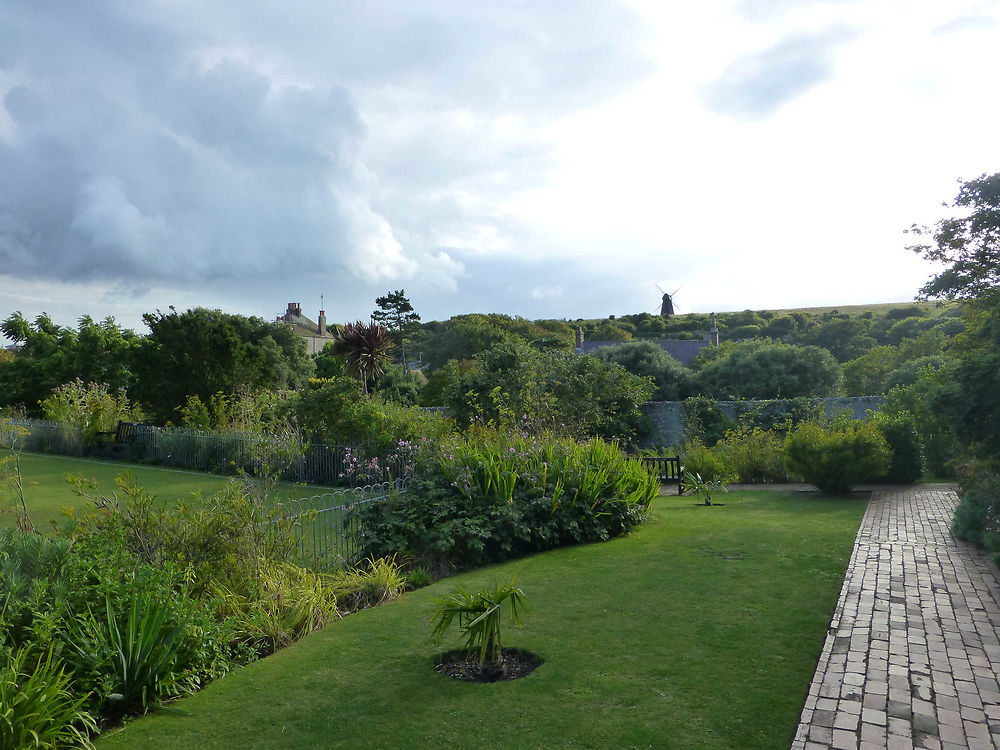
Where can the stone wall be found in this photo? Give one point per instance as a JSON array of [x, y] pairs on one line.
[[668, 416]]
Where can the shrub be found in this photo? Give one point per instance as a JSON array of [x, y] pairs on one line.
[[760, 369], [838, 455], [699, 459], [704, 421], [753, 455], [673, 381], [489, 496], [900, 432], [91, 406], [543, 392], [977, 517]]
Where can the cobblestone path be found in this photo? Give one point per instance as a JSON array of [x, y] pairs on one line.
[[913, 656]]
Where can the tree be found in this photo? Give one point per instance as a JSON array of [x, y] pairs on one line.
[[764, 369], [50, 355], [519, 387], [204, 352], [366, 347], [969, 244], [396, 313], [673, 381]]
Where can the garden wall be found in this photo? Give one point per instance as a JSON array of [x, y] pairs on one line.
[[668, 416]]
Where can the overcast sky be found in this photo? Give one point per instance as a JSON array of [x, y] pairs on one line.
[[543, 159]]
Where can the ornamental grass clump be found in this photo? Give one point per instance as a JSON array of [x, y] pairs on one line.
[[479, 616]]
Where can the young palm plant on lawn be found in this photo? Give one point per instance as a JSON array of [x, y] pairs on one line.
[[704, 488], [367, 347], [479, 615]]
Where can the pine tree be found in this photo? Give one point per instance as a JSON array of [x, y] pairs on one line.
[[396, 313]]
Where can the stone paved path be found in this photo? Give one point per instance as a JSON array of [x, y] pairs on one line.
[[912, 658]]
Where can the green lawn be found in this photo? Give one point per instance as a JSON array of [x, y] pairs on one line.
[[699, 630], [47, 492]]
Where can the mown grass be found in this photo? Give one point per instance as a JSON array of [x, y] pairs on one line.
[[47, 490], [699, 630]]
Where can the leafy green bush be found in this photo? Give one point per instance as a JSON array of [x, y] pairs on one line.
[[837, 455], [90, 406], [673, 381], [754, 455], [900, 432], [336, 412], [761, 369], [489, 496], [543, 392], [704, 421], [977, 517], [697, 458], [38, 707]]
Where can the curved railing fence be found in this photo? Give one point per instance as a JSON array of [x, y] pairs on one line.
[[325, 527]]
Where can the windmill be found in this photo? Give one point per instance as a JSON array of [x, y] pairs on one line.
[[667, 302]]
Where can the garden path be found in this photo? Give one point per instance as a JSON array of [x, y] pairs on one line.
[[912, 657]]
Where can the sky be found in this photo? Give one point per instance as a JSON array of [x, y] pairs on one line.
[[543, 159]]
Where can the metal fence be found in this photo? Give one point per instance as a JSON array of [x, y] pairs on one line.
[[48, 437], [325, 527]]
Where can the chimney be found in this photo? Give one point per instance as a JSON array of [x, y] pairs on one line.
[[714, 333], [579, 339], [322, 322]]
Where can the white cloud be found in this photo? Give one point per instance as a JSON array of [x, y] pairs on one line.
[[159, 153]]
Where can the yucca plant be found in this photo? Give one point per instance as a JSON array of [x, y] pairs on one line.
[[479, 616], [37, 708]]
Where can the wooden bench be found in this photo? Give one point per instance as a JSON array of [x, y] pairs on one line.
[[125, 432], [667, 468]]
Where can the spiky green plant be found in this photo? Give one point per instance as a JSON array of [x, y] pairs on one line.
[[366, 347], [37, 708], [135, 654], [479, 616], [703, 488]]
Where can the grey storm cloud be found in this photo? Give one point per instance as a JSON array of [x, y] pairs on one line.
[[152, 141], [759, 84]]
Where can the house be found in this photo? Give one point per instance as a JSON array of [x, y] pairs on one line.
[[316, 335]]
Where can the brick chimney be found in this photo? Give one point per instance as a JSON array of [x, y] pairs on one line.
[[322, 322]]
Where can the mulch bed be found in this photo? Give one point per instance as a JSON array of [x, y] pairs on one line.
[[458, 665]]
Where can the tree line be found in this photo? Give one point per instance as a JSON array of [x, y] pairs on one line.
[[192, 366]]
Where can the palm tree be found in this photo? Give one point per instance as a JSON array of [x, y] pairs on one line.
[[366, 347]]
